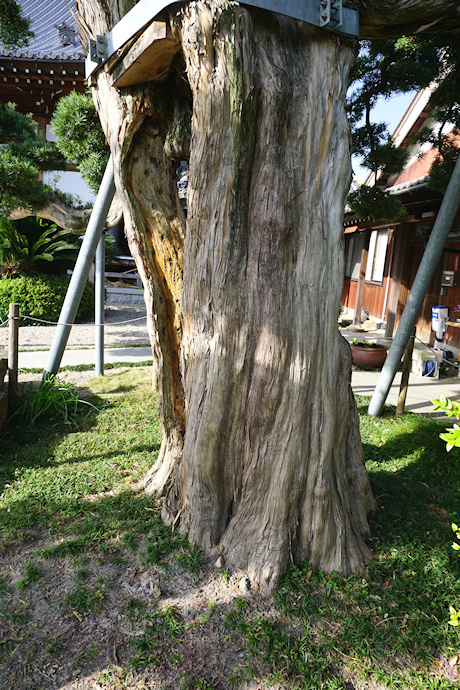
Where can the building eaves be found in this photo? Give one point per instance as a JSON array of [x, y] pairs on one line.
[[56, 36]]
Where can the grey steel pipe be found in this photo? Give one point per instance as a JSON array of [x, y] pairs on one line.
[[81, 271], [99, 299], [441, 229]]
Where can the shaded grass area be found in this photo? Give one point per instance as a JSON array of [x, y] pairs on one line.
[[388, 629]]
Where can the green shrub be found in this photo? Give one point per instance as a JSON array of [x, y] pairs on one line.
[[41, 297], [55, 398]]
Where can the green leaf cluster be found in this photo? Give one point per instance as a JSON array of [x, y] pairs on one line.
[[389, 67], [375, 203], [451, 409], [41, 297], [27, 247], [80, 137]]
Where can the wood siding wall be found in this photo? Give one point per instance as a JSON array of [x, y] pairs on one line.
[[374, 295]]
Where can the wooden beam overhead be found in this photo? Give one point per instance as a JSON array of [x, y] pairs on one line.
[[149, 58]]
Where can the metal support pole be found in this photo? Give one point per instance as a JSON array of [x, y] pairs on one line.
[[81, 271], [441, 229], [99, 295], [13, 349]]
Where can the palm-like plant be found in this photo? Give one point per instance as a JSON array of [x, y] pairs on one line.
[[27, 247]]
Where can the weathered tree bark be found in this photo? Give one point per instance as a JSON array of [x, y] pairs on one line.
[[261, 457]]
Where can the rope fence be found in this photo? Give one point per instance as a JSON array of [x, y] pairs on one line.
[[74, 325]]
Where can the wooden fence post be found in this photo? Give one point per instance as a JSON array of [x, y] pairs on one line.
[[407, 365], [13, 349]]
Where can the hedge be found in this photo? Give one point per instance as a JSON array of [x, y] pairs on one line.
[[41, 297]]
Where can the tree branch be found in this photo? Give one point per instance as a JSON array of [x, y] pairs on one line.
[[70, 219], [394, 18]]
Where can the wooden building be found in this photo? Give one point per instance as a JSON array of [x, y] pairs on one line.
[[382, 259]]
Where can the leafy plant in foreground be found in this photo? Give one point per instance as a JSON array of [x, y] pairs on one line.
[[451, 409], [27, 246], [55, 397], [454, 614], [452, 438]]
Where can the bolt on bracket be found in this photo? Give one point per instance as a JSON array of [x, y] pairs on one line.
[[98, 49]]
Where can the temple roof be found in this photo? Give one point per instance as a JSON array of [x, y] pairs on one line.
[[56, 36]]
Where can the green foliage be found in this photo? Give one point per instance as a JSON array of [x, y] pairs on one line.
[[41, 297], [29, 245], [385, 68], [443, 165], [191, 559], [454, 614], [55, 398], [375, 203], [80, 137], [389, 67], [23, 155], [451, 409], [112, 251], [14, 28], [86, 599], [364, 343], [15, 126]]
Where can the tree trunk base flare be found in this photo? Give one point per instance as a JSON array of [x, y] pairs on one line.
[[261, 458]]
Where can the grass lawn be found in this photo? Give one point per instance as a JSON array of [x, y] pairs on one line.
[[96, 592]]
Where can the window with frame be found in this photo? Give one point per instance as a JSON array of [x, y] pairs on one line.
[[377, 255], [378, 244]]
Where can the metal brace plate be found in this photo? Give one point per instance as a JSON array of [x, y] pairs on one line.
[[331, 12], [98, 49], [327, 14]]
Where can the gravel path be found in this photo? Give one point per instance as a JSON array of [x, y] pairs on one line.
[[125, 324]]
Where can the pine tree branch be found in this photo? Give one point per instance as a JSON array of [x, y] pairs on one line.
[[394, 18]]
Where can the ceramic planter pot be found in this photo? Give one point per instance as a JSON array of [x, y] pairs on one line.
[[369, 356]]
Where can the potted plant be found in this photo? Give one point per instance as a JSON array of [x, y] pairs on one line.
[[367, 353], [457, 313]]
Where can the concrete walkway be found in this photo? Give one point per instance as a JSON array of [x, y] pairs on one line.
[[420, 394]]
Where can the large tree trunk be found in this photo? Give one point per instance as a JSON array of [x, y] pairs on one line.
[[272, 463], [261, 457]]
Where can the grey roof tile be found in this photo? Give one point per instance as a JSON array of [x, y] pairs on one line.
[[56, 35]]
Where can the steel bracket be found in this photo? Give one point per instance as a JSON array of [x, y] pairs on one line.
[[98, 49], [330, 11]]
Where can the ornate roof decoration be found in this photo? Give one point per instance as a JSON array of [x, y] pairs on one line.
[[56, 35]]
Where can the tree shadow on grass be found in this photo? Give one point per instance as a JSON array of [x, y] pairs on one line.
[[33, 447], [394, 621]]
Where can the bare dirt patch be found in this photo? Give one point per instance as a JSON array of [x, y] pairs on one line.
[[96, 622]]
